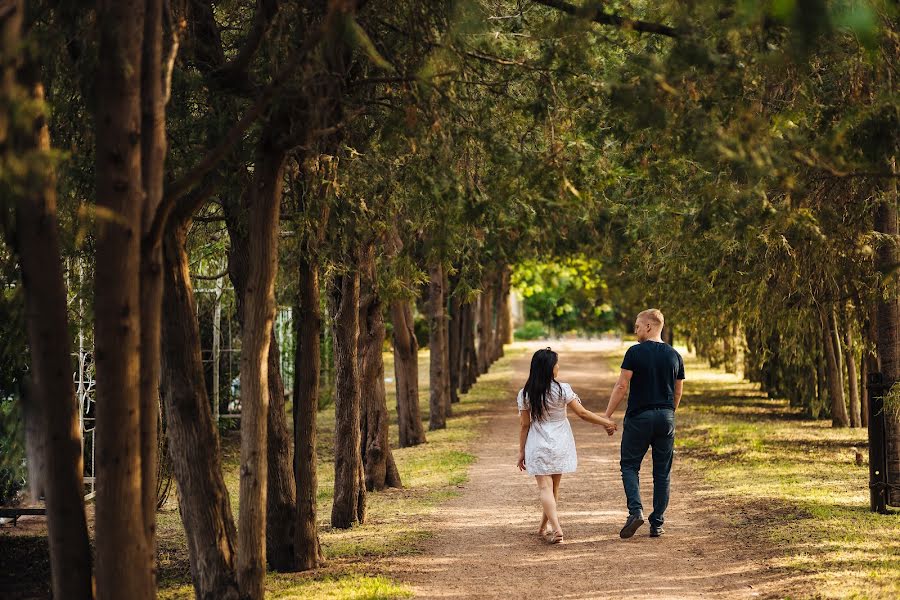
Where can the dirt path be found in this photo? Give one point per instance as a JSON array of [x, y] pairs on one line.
[[485, 544]]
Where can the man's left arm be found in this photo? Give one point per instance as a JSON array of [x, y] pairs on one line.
[[618, 392]]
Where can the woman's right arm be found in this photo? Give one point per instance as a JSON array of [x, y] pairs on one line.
[[524, 426], [592, 417]]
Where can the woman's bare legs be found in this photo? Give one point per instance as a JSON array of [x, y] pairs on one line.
[[542, 530], [548, 500]]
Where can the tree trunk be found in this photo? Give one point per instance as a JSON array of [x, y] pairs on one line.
[[256, 333], [485, 328], [437, 372], [281, 500], [864, 396], [454, 346], [505, 317], [193, 439], [52, 394], [280, 488], [445, 347], [469, 366], [349, 480], [406, 373], [124, 560], [307, 365], [501, 312], [852, 372], [821, 385], [888, 323], [832, 370], [153, 155], [378, 461]]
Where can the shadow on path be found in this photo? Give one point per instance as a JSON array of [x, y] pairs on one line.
[[485, 543]]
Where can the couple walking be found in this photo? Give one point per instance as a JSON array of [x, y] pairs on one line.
[[654, 371]]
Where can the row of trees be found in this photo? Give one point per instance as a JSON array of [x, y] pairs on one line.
[[359, 156]]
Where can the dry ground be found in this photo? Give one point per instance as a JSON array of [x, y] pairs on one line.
[[485, 543]]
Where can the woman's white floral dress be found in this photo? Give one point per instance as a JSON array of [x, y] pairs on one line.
[[550, 446]]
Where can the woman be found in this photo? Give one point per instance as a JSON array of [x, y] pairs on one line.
[[546, 443]]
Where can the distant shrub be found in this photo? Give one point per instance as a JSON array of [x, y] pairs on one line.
[[531, 330]]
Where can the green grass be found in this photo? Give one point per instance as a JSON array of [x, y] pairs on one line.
[[791, 486], [397, 519]]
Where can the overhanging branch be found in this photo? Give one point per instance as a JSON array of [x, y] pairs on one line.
[[597, 16]]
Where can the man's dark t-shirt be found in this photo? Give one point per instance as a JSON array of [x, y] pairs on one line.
[[655, 368]]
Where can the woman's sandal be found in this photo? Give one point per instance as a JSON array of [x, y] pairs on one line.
[[555, 537]]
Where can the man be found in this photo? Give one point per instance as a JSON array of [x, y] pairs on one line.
[[656, 374]]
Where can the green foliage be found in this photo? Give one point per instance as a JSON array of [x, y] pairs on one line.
[[531, 330], [565, 295]]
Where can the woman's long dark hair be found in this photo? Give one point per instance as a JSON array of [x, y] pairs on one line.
[[540, 378]]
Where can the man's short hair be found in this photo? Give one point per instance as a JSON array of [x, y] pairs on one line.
[[654, 315]]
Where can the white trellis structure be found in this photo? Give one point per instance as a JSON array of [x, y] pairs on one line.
[[221, 357]]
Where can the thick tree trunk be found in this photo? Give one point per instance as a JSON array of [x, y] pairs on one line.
[[436, 348], [406, 373], [280, 493], [378, 461], [52, 394], [124, 560], [281, 503], [256, 334], [888, 324], [833, 373], [307, 365], [153, 154], [852, 373], [191, 432], [349, 480]]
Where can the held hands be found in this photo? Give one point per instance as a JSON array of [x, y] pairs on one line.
[[610, 425]]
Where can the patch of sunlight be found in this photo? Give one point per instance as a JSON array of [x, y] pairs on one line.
[[343, 587]]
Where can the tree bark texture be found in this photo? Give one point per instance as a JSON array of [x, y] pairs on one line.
[[281, 490], [888, 330], [259, 314], [852, 373], [504, 326], [406, 373], [839, 416], [53, 413], [378, 460], [307, 366], [193, 439], [485, 327], [153, 155], [124, 560], [469, 361], [349, 506], [454, 346], [438, 363]]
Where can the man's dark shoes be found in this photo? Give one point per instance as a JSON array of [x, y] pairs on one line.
[[656, 530], [631, 525]]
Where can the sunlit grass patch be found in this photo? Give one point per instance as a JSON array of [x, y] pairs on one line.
[[343, 587], [791, 484]]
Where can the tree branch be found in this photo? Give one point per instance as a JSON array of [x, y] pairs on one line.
[[595, 15], [234, 75], [183, 184]]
